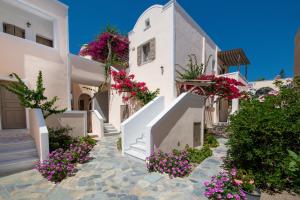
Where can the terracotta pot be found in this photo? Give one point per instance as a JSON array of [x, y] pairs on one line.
[[255, 195]]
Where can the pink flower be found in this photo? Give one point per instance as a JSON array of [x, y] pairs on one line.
[[229, 196]]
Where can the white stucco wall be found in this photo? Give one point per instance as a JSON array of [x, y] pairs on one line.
[[161, 20], [19, 17], [25, 57], [191, 39]]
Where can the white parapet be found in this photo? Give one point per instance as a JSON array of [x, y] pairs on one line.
[[39, 132], [97, 123], [133, 127]]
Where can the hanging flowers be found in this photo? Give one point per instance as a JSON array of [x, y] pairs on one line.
[[126, 85], [219, 86]]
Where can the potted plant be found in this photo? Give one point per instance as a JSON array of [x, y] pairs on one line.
[[224, 186], [247, 184]]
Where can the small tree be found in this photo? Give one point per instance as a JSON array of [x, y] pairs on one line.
[[30, 98], [282, 73]]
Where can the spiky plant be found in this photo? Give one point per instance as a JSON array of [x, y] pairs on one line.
[[193, 70], [30, 98]]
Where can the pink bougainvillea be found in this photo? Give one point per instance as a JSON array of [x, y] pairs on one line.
[[125, 83], [99, 49], [219, 86]]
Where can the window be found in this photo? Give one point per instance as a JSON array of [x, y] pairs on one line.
[[146, 52], [44, 41], [147, 24], [13, 30]]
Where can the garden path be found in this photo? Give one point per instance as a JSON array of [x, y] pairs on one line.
[[112, 176]]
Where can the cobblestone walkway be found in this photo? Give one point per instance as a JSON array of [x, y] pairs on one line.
[[111, 176]]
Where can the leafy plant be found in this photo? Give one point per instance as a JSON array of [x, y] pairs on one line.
[[192, 71], [88, 139], [293, 169], [30, 98], [198, 155], [119, 144], [210, 141], [147, 96], [59, 138], [260, 134]]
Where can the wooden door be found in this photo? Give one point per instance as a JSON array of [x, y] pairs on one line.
[[12, 113], [223, 110]]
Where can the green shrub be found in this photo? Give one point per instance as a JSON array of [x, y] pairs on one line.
[[88, 139], [293, 169], [198, 155], [59, 138], [210, 141], [261, 133], [119, 144]]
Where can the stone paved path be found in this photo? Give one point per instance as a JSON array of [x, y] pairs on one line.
[[112, 176]]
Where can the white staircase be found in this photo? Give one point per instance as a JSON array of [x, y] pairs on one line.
[[110, 130], [17, 153], [138, 149]]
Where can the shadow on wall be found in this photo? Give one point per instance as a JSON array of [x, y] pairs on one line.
[[175, 129], [77, 120]]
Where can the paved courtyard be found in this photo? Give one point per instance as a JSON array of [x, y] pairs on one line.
[[111, 176]]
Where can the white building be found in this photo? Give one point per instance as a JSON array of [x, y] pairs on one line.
[[34, 37], [164, 36]]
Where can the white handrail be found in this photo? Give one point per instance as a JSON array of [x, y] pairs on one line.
[[39, 132], [132, 127]]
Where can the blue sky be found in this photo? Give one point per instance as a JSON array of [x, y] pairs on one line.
[[265, 29]]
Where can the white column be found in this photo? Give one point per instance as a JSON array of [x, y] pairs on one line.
[[235, 105]]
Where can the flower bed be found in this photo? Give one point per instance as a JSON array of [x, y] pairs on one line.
[[178, 163], [62, 163], [175, 164], [224, 186]]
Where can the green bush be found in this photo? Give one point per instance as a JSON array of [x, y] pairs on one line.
[[210, 141], [119, 144], [60, 138], [88, 139], [293, 169], [198, 155], [261, 133]]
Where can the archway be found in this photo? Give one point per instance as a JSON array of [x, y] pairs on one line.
[[85, 103]]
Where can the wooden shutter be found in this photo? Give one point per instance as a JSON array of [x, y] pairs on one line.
[[19, 32], [152, 49], [139, 55], [8, 28], [44, 41]]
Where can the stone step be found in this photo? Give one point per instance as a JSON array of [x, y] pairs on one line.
[[14, 166], [139, 148], [136, 154], [18, 154], [111, 133], [17, 145]]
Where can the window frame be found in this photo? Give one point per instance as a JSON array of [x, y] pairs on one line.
[[45, 39], [22, 31]]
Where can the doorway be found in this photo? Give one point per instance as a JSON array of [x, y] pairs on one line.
[[85, 104], [223, 110], [13, 115]]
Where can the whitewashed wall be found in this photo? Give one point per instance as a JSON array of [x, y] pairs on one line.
[[161, 20]]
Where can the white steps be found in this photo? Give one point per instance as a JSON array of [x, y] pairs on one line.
[[138, 150], [110, 130], [17, 154], [136, 154]]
